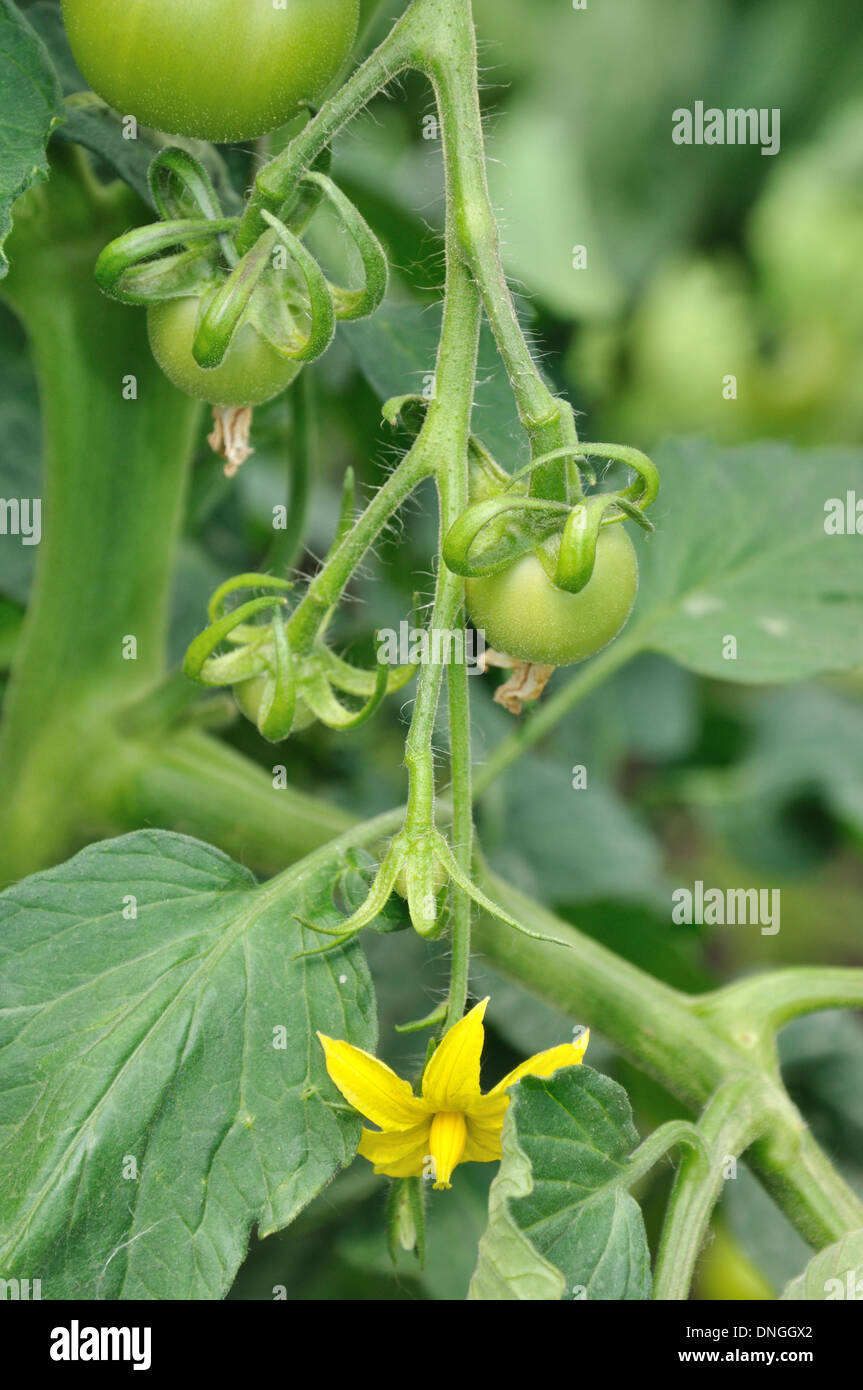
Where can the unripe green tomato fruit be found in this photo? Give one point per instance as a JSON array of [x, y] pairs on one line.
[[215, 69], [252, 370], [524, 615], [249, 694]]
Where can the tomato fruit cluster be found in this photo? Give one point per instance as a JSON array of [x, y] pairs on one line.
[[524, 615], [219, 70]]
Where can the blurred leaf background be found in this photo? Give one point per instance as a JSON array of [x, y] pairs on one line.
[[701, 262]]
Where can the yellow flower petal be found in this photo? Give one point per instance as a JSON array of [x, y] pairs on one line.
[[400, 1155], [446, 1145], [372, 1087], [544, 1063], [451, 1080], [483, 1133]]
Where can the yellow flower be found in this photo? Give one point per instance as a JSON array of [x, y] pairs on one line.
[[451, 1122]]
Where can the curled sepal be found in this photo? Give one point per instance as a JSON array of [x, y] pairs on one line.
[[328, 708], [461, 879], [228, 306], [136, 269], [376, 900], [205, 644], [355, 304], [576, 558], [278, 312], [512, 523], [353, 680], [181, 186], [279, 696], [216, 606], [486, 478], [393, 410], [645, 489], [431, 1020]]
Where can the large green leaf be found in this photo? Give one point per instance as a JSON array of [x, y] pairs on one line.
[[741, 552], [30, 107], [560, 1201], [154, 1044], [834, 1273]]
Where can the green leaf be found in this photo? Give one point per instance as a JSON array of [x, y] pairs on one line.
[[560, 1201], [834, 1273], [741, 552], [568, 846], [509, 1266], [30, 107], [152, 1110]]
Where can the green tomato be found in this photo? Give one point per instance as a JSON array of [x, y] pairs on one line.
[[252, 370], [214, 69], [524, 615]]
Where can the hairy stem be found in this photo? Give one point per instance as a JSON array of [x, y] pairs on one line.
[[736, 1115]]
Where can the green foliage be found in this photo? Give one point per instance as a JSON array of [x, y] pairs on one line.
[[561, 1221], [149, 1039], [31, 108], [834, 1273], [760, 568], [163, 1086]]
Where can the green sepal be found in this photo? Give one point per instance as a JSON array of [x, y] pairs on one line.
[[355, 304], [279, 703], [511, 535], [128, 268], [576, 557], [207, 641], [216, 605], [228, 306], [181, 187], [406, 1218], [319, 305]]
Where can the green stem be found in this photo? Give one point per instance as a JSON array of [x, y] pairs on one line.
[[804, 1183], [201, 787], [327, 586], [114, 486], [650, 1022], [462, 838], [733, 1118], [659, 1029], [277, 181], [287, 544], [769, 1000], [450, 59]]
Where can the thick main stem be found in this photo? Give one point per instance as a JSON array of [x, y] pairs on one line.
[[118, 440]]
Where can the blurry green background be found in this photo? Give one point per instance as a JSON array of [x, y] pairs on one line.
[[701, 262]]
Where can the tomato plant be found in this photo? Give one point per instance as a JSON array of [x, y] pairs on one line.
[[523, 614], [283, 887], [213, 69]]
